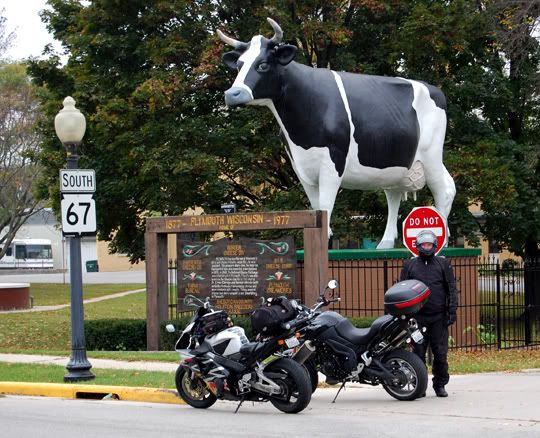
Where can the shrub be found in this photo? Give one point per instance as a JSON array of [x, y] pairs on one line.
[[130, 334], [115, 334]]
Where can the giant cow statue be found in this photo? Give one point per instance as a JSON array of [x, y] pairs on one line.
[[346, 130]]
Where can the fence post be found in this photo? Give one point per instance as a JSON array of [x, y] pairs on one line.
[[385, 275], [498, 279]]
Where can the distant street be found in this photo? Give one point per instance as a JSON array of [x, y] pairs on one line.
[[489, 405], [88, 277]]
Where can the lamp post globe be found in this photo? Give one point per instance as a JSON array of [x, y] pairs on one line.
[[70, 126], [70, 123]]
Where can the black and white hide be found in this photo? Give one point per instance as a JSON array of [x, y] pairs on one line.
[[346, 130]]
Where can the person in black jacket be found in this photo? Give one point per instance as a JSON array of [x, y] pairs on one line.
[[440, 310]]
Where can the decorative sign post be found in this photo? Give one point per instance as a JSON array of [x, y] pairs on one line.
[[235, 273], [424, 218], [314, 224], [78, 218]]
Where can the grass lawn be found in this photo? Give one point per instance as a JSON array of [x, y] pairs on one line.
[[49, 294], [487, 361], [55, 374], [51, 330]]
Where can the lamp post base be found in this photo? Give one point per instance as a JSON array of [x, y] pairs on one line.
[[78, 367]]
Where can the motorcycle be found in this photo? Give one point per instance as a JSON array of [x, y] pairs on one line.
[[330, 344], [218, 362]]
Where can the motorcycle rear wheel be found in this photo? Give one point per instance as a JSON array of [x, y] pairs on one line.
[[295, 386], [193, 390], [411, 372]]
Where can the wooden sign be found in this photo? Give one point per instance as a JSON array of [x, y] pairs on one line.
[[236, 273]]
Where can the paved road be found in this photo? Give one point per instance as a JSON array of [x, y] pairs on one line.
[[494, 405], [88, 277]]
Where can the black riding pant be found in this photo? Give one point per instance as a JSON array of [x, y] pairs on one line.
[[436, 336]]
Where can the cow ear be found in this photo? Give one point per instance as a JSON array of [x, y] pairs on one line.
[[230, 59], [285, 54]]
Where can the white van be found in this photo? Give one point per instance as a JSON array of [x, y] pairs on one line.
[[28, 253]]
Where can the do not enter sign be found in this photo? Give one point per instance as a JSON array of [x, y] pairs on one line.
[[424, 218]]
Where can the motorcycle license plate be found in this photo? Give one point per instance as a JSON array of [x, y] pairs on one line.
[[292, 342], [417, 336]]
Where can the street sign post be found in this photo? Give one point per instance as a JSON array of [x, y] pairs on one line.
[[424, 218]]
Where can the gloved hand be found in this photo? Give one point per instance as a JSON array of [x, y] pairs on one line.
[[451, 318]]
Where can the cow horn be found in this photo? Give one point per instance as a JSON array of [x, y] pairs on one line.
[[278, 33], [231, 41]]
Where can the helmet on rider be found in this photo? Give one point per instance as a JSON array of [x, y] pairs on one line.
[[426, 243]]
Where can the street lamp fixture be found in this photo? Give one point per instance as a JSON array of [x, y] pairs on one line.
[[70, 126]]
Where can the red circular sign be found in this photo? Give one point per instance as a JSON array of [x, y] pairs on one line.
[[424, 218]]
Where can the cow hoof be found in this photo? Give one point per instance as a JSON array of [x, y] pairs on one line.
[[386, 244]]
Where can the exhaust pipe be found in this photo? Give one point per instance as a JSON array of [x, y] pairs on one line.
[[304, 352]]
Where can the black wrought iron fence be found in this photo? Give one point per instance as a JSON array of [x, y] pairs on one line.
[[499, 304]]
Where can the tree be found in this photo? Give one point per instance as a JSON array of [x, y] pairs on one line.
[[6, 39], [151, 84], [19, 143]]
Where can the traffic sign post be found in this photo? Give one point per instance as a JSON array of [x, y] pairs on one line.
[[424, 218], [70, 126]]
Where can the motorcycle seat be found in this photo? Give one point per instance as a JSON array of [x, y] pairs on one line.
[[361, 336], [250, 348]]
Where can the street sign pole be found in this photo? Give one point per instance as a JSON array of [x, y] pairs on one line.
[[78, 366]]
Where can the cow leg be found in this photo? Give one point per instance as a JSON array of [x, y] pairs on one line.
[[442, 187], [312, 193], [328, 189], [393, 198]]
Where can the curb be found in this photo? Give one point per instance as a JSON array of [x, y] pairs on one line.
[[92, 392]]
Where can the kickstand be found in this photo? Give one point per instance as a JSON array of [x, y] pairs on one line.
[[339, 390], [239, 404]]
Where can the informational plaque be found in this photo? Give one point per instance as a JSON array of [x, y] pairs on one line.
[[236, 273]]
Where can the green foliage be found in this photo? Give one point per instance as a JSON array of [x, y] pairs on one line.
[[115, 334], [151, 84], [486, 335], [19, 144]]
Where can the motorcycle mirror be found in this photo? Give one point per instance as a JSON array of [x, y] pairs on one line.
[[333, 284], [170, 328]]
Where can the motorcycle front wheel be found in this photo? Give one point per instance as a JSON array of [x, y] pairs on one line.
[[410, 374], [294, 383], [193, 390]]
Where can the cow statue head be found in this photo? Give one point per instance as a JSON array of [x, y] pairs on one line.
[[258, 64]]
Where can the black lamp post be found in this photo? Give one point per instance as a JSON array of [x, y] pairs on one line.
[[70, 126]]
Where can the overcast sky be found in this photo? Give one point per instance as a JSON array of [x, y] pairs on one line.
[[23, 19]]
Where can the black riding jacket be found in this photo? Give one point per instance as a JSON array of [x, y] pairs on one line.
[[438, 275]]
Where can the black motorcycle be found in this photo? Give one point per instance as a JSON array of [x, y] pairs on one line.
[[330, 344], [218, 362]]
